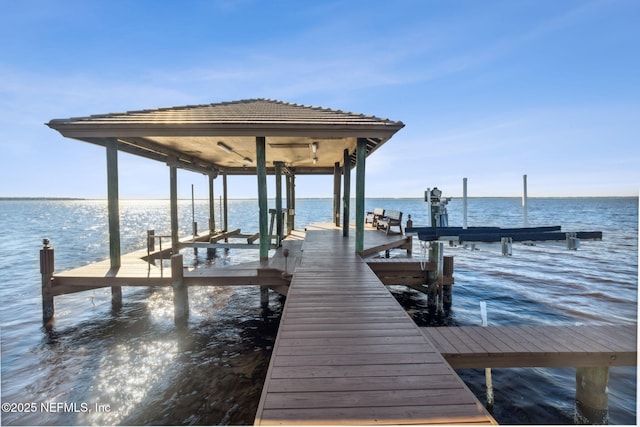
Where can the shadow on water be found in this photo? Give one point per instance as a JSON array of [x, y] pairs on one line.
[[416, 305]]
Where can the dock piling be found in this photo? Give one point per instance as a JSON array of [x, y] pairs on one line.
[[180, 291], [573, 243], [592, 400], [264, 297], [435, 282], [447, 289], [507, 246], [47, 268]]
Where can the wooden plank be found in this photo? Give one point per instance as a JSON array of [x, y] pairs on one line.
[[398, 415], [353, 333], [340, 360], [386, 370], [355, 349], [396, 341], [355, 399], [407, 382]]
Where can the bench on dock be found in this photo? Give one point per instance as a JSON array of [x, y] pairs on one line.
[[373, 216], [390, 219]]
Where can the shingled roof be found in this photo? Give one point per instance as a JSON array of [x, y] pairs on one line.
[[221, 136]]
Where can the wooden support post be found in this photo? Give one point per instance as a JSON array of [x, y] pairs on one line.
[[264, 297], [436, 250], [261, 169], [361, 156], [447, 290], [279, 224], [173, 195], [287, 184], [292, 208], [151, 241], [212, 214], [346, 202], [47, 268], [592, 400], [337, 172], [114, 215], [225, 203], [488, 377], [211, 252], [291, 203], [180, 291]]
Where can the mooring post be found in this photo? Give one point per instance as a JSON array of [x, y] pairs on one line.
[[464, 203], [46, 270], [264, 297], [572, 241], [525, 201], [592, 400], [151, 241], [180, 291], [447, 289], [436, 251], [507, 245], [487, 371]]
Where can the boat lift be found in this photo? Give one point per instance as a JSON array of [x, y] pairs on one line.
[[440, 230]]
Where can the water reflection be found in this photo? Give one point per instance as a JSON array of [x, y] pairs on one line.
[[136, 368]]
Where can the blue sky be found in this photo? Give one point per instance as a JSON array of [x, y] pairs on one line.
[[488, 90]]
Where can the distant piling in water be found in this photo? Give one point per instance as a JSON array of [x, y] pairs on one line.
[[525, 201]]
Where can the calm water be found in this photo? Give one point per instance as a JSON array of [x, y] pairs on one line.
[[134, 367]]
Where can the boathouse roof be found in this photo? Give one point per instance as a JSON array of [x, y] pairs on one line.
[[221, 136]]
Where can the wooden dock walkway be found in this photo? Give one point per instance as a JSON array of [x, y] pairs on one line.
[[347, 353], [536, 346]]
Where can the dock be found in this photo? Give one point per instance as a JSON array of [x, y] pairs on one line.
[[536, 346], [347, 352]]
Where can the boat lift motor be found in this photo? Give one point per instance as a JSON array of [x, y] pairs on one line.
[[438, 215]]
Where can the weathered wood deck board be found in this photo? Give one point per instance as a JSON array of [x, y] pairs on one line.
[[536, 346], [347, 353]]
